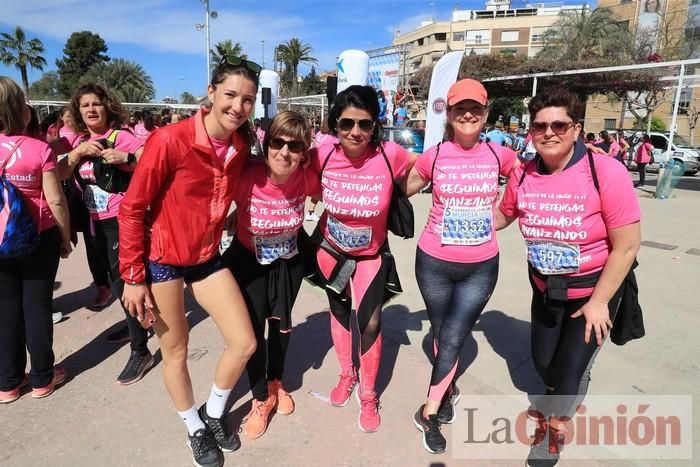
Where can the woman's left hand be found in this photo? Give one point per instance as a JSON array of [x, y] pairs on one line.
[[112, 156], [597, 318]]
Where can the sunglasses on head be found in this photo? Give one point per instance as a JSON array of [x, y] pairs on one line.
[[294, 145], [558, 127], [347, 124], [240, 62]]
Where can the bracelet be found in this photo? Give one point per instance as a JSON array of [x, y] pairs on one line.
[[130, 158]]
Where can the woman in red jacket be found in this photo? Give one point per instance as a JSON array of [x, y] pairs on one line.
[[173, 216]]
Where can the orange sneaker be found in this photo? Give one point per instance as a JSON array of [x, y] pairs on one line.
[[59, 377], [285, 403], [13, 394], [256, 422]]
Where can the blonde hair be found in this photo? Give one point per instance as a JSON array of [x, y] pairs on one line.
[[12, 105]]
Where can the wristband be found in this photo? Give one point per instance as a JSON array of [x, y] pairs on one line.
[[131, 158]]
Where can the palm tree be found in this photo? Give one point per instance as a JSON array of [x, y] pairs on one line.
[[292, 53], [226, 47], [126, 79], [588, 35], [188, 98], [18, 51]]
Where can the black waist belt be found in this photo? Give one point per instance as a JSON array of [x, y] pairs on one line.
[[557, 286]]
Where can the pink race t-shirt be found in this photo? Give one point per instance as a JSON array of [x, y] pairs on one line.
[[101, 204], [465, 190], [25, 170], [322, 139], [224, 149], [644, 153], [565, 221], [141, 132], [270, 215], [614, 149], [356, 196]]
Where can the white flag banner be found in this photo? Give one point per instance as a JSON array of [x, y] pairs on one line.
[[444, 76]]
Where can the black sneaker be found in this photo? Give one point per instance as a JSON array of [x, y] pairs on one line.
[[433, 440], [228, 442], [137, 366], [205, 451], [119, 336], [446, 413]]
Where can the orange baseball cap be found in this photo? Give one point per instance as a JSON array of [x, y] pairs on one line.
[[467, 89]]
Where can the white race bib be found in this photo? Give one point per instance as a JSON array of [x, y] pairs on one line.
[[552, 257], [95, 199], [466, 225], [349, 238], [270, 248]]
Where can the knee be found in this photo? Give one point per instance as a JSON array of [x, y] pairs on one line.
[[174, 355], [243, 348]]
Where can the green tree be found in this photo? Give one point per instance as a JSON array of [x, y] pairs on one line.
[[45, 87], [226, 47], [312, 84], [292, 53], [16, 50], [188, 98], [588, 35], [657, 124], [126, 79], [83, 50]]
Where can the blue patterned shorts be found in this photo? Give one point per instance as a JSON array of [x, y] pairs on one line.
[[158, 272]]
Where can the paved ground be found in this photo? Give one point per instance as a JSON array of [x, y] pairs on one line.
[[92, 421]]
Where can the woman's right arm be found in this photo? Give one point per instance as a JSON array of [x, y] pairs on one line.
[[58, 207], [66, 165]]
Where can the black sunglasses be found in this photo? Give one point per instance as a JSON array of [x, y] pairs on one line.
[[240, 62], [294, 145], [558, 127], [347, 124]]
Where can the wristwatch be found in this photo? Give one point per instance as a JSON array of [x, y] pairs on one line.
[[131, 158]]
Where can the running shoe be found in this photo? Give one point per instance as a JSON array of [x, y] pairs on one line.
[[59, 377], [13, 394], [227, 440], [311, 217], [369, 419], [340, 395], [255, 423], [446, 413], [103, 297], [56, 317], [433, 441], [539, 455], [205, 450], [137, 366], [285, 403]]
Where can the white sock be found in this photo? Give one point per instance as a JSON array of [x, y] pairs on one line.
[[217, 401], [192, 420]]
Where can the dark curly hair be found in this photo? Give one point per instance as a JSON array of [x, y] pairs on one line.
[[360, 97], [556, 97], [116, 113]]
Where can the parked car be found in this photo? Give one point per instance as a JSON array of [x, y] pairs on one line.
[[663, 151], [410, 138]]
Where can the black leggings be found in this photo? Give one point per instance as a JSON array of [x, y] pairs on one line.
[[642, 173], [561, 357], [100, 275], [105, 244], [455, 294], [26, 293]]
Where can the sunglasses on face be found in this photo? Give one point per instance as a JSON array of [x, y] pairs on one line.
[[294, 146], [558, 127], [347, 124], [240, 62]]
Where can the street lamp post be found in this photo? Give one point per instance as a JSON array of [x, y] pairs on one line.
[[263, 53], [206, 26]]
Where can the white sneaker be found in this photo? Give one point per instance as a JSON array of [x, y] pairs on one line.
[[311, 217], [57, 317]]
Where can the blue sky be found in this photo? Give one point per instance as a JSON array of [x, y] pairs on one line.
[[160, 34]]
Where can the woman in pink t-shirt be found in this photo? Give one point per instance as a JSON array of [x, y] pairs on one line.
[[643, 158], [270, 255], [457, 255], [27, 281], [99, 115], [356, 178], [580, 219], [145, 126]]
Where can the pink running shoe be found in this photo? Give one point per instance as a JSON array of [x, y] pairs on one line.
[[369, 419], [59, 377], [13, 394], [340, 395]]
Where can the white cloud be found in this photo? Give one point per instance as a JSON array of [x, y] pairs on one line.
[[410, 23]]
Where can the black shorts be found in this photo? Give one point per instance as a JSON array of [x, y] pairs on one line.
[[157, 272]]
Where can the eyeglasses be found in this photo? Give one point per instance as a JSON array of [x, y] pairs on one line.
[[240, 62], [347, 124], [558, 127], [294, 146]]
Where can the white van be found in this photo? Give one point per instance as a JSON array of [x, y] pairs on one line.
[[680, 149]]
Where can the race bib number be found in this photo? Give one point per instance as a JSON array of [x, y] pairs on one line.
[[551, 257], [466, 225], [348, 238], [95, 199], [270, 248]]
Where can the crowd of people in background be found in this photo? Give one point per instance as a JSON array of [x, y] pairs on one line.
[[125, 180]]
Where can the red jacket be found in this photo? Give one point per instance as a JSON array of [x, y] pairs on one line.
[[189, 194]]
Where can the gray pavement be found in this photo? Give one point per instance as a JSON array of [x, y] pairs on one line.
[[92, 421]]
